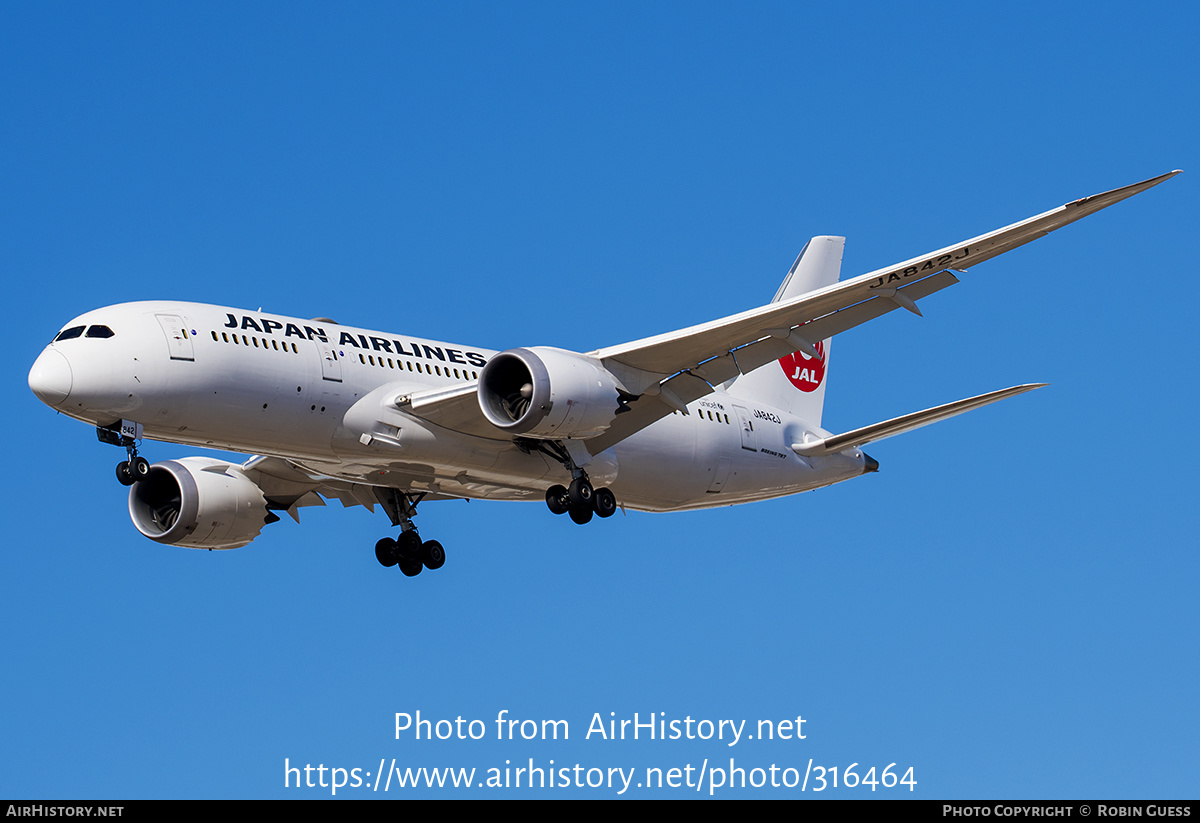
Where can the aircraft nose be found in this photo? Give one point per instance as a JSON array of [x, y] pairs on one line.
[[50, 377]]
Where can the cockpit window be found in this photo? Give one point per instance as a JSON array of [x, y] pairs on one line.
[[68, 334], [99, 331]]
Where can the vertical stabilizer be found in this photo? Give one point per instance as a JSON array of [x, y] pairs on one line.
[[796, 383]]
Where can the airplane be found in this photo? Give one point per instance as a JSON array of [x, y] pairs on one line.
[[721, 413]]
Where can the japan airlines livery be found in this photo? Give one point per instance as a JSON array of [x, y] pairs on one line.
[[720, 413]]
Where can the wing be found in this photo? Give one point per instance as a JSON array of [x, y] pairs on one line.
[[676, 368], [671, 370]]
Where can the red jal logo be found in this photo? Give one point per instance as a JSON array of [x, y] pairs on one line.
[[806, 373]]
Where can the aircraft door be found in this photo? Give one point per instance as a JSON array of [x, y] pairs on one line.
[[179, 343], [749, 439], [331, 366]]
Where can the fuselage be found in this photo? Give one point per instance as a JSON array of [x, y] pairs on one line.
[[323, 396]]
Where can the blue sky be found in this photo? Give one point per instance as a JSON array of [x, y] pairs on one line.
[[1008, 606]]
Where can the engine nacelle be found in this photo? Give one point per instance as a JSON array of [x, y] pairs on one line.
[[198, 503], [549, 393]]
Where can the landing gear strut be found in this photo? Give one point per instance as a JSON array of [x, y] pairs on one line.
[[407, 551], [127, 434]]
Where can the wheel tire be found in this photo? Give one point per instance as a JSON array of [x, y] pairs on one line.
[[410, 567], [385, 552], [409, 545], [557, 500], [580, 492], [125, 474], [432, 554], [139, 467], [605, 503], [581, 515]]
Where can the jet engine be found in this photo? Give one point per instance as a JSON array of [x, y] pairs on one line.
[[198, 503], [549, 393]]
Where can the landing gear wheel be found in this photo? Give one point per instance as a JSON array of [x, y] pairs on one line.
[[409, 544], [581, 515], [432, 554], [557, 500], [125, 474], [410, 567], [139, 467], [385, 552], [408, 553], [604, 502], [580, 493]]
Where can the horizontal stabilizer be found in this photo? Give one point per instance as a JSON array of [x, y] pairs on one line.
[[899, 425]]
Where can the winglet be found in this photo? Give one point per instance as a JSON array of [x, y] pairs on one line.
[[1095, 202]]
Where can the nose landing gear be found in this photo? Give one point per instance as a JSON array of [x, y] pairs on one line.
[[132, 470], [126, 433]]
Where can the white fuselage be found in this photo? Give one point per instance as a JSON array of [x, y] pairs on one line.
[[322, 395]]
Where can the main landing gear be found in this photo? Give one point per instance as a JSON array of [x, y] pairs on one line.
[[136, 467], [407, 551], [581, 501]]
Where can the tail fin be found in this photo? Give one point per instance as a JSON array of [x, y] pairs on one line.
[[796, 383]]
